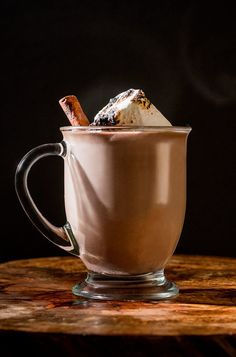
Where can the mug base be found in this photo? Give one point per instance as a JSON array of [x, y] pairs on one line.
[[149, 286]]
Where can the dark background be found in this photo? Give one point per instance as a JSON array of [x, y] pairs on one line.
[[182, 54]]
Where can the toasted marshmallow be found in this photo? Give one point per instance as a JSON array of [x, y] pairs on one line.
[[130, 108]]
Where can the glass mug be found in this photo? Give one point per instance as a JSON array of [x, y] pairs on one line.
[[125, 201]]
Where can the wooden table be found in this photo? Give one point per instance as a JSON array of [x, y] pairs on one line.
[[40, 316]]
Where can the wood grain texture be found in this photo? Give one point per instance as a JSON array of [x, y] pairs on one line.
[[36, 300]]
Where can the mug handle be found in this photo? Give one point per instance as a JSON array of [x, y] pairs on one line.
[[63, 236]]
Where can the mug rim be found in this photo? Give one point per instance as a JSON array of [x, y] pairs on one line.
[[124, 128]]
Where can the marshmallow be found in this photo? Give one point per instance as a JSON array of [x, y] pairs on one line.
[[130, 108]]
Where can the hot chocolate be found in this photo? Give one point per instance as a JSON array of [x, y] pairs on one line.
[[125, 196]]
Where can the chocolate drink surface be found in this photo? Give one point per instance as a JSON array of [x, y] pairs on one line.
[[125, 196]]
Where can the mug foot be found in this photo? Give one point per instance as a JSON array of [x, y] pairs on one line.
[[149, 286]]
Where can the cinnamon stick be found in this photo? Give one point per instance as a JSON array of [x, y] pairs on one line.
[[73, 110]]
